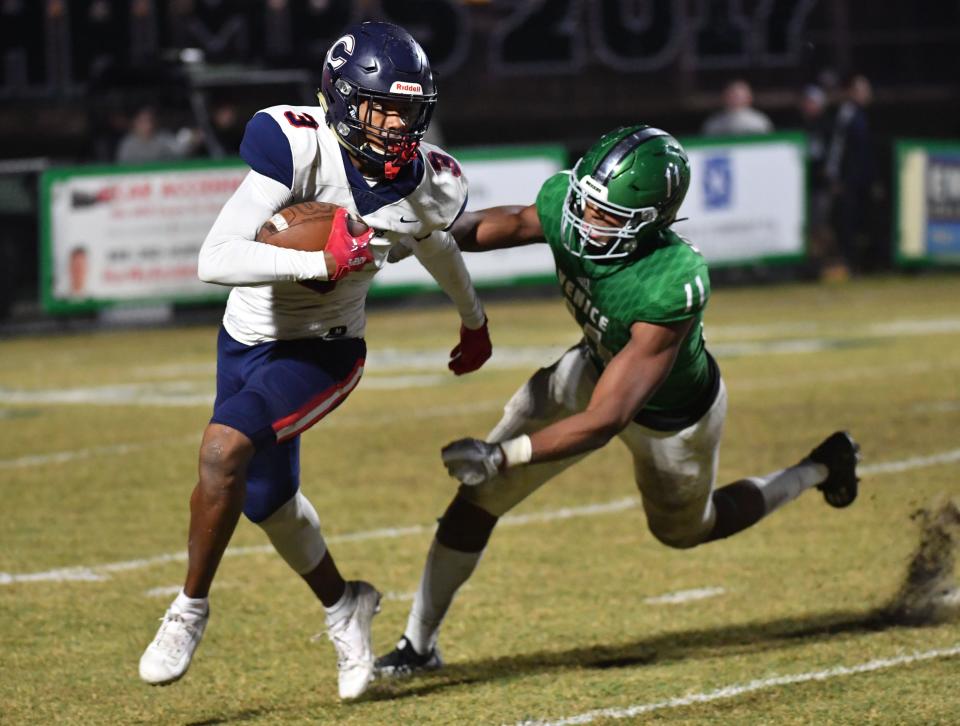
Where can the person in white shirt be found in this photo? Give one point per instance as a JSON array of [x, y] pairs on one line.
[[147, 142], [738, 117], [291, 347]]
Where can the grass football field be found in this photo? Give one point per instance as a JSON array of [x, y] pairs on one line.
[[576, 613]]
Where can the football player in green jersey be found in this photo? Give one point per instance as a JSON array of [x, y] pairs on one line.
[[641, 373]]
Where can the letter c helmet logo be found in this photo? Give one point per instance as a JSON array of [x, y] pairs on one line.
[[343, 47]]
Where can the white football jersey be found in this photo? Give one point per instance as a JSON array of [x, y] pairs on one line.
[[295, 157]]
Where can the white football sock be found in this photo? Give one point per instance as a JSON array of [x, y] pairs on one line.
[[787, 484], [443, 574], [191, 605], [343, 606]]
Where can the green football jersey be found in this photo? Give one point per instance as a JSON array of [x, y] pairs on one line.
[[665, 283]]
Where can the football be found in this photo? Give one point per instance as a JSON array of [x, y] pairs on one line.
[[304, 226]]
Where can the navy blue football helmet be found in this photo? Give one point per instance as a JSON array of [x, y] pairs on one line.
[[382, 64]]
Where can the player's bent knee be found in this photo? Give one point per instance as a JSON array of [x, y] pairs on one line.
[[465, 527], [224, 454], [678, 536], [294, 530]]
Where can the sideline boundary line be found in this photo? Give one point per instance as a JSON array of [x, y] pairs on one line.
[[99, 573], [738, 689]]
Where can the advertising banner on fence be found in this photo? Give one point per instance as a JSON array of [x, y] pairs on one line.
[[747, 203], [131, 235], [114, 235], [928, 203], [747, 200]]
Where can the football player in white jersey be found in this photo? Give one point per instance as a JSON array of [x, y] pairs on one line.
[[291, 346]]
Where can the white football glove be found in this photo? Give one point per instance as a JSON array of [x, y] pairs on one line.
[[472, 461]]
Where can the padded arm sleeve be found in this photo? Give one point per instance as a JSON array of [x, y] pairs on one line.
[[230, 255], [441, 257]]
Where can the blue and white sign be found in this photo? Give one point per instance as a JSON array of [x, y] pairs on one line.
[[943, 204], [747, 200], [717, 182], [928, 202]]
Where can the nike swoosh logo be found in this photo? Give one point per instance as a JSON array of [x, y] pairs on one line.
[[408, 221]]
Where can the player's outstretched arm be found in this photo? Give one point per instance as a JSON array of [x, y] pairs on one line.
[[627, 383], [624, 387], [497, 228]]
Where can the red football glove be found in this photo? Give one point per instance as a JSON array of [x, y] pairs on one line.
[[473, 350], [348, 252]]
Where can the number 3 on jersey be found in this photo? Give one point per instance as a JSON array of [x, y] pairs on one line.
[[439, 162], [301, 120]]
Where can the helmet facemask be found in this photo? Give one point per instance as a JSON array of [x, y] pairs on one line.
[[594, 241], [375, 68], [625, 189], [379, 147]]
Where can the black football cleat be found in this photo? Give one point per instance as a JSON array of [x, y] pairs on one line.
[[404, 661], [840, 454]]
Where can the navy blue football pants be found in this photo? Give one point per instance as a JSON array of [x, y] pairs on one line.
[[272, 392]]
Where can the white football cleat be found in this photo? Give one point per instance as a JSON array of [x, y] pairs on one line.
[[351, 638], [167, 658]]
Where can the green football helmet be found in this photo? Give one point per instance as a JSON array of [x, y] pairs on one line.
[[638, 174]]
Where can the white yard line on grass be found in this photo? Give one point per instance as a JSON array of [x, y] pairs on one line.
[[95, 573], [916, 462], [936, 407], [198, 392], [681, 596], [738, 689], [186, 394], [164, 591], [670, 598], [408, 596], [173, 590], [771, 340], [386, 360], [905, 326], [916, 368], [60, 457]]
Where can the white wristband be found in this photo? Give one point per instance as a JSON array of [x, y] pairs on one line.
[[517, 451]]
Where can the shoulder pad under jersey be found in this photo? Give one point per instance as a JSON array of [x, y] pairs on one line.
[[445, 184], [281, 142], [675, 281]]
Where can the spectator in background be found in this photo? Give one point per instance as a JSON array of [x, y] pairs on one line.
[[738, 116], [815, 123], [146, 141], [849, 170]]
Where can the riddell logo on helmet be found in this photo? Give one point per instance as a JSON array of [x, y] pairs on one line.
[[593, 187], [412, 89]]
